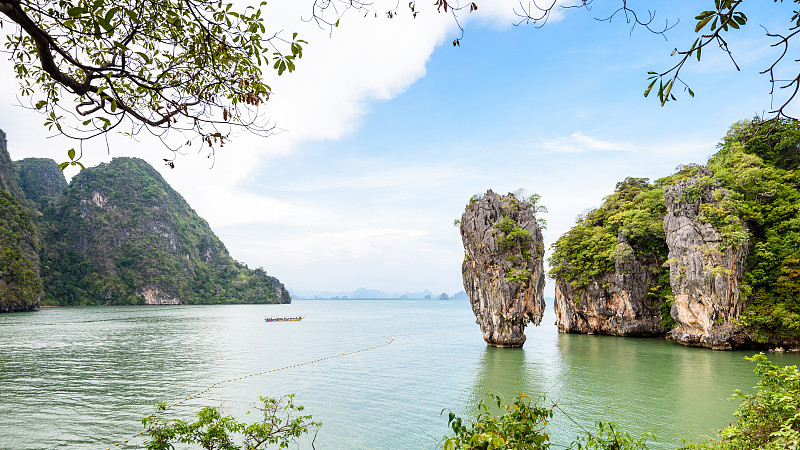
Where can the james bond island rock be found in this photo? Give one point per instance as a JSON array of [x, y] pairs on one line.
[[608, 267], [503, 268], [121, 235], [705, 271], [20, 284]]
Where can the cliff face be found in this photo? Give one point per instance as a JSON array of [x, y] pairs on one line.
[[615, 303], [503, 269], [121, 235], [20, 285], [704, 272]]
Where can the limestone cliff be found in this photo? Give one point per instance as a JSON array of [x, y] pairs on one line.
[[705, 272], [20, 284], [503, 269], [615, 303], [608, 267]]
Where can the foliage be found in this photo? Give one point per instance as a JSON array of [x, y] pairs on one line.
[[40, 179], [610, 437], [514, 240], [280, 426], [712, 27], [521, 426], [535, 205], [511, 235], [20, 285], [194, 66], [767, 419]]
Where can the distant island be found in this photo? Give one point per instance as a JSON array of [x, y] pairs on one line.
[[364, 293]]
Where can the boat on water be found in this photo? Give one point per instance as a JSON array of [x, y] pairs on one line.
[[283, 319]]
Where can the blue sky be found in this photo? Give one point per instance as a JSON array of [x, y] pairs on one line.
[[390, 130]]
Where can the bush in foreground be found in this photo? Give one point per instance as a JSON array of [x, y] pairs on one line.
[[212, 430]]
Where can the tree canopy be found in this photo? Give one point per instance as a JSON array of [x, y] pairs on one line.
[[190, 66]]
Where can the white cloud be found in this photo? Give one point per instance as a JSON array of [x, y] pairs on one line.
[[579, 142]]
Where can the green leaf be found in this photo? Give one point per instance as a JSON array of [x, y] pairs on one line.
[[650, 86], [71, 153], [76, 11], [704, 14], [702, 23]]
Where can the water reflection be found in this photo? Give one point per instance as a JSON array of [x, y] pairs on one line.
[[643, 384]]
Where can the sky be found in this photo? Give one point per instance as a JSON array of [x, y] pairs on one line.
[[388, 130]]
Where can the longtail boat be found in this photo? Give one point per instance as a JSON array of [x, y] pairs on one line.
[[283, 319]]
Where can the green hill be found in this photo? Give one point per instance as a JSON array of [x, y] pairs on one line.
[[121, 235]]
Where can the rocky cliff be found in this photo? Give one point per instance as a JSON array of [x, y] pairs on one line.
[[608, 266], [705, 272], [615, 303], [121, 235], [503, 269], [20, 284]]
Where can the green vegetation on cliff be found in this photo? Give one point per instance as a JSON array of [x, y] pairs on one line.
[[8, 179], [20, 285], [758, 165], [630, 219], [40, 179], [122, 235], [755, 184]]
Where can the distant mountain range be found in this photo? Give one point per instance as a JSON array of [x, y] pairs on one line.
[[364, 293]]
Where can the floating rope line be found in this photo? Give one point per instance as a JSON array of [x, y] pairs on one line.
[[254, 374]]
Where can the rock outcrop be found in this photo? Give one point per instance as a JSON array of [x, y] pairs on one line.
[[615, 303], [705, 273], [503, 268]]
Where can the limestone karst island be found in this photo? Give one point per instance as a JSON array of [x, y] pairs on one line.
[[117, 234]]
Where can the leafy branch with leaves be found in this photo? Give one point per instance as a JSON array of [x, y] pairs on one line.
[[281, 425], [188, 66]]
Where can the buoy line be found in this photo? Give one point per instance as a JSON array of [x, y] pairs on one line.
[[254, 374]]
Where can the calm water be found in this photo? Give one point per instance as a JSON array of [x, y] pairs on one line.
[[84, 377]]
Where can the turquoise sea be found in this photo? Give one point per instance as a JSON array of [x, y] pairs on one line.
[[82, 378]]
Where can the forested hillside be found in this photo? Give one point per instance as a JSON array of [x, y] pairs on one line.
[[121, 235]]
